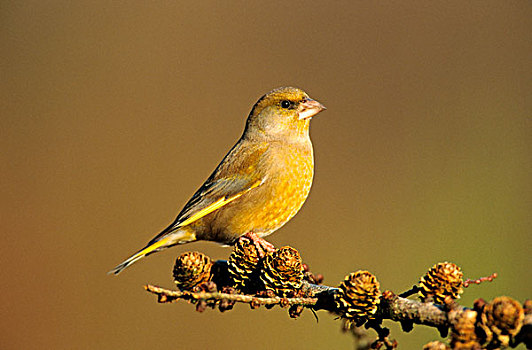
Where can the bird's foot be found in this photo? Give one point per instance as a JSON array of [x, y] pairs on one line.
[[263, 247]]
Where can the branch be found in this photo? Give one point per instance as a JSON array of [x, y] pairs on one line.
[[168, 296], [280, 278]]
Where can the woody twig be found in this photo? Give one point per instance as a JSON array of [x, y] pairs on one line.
[[280, 278]]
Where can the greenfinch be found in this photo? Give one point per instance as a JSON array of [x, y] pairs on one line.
[[259, 185]]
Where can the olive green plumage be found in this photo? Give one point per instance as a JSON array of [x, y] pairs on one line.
[[260, 184]]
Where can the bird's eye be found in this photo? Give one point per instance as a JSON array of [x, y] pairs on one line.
[[286, 104]]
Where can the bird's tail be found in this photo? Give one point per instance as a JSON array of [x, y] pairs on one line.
[[158, 243]]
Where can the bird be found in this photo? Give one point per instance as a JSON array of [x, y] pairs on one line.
[[259, 185]]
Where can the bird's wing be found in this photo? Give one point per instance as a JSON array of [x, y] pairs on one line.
[[213, 196], [236, 175]]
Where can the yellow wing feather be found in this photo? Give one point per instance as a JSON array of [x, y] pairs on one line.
[[216, 205], [176, 236]]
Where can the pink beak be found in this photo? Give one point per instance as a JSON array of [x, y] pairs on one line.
[[309, 108]]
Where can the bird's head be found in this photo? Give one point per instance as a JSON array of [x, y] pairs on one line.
[[282, 113]]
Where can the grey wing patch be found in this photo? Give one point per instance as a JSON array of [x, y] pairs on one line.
[[211, 192], [210, 197], [231, 178]]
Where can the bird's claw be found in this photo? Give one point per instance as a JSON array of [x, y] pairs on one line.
[[263, 247]]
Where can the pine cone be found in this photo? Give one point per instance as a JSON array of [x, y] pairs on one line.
[[359, 296], [436, 345], [501, 320], [527, 305], [191, 269], [463, 334], [243, 262], [441, 281], [282, 271]]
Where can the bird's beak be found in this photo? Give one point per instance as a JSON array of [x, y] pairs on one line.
[[309, 108]]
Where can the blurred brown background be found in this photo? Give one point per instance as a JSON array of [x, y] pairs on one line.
[[113, 113]]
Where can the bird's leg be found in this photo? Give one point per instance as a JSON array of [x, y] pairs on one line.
[[263, 247]]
